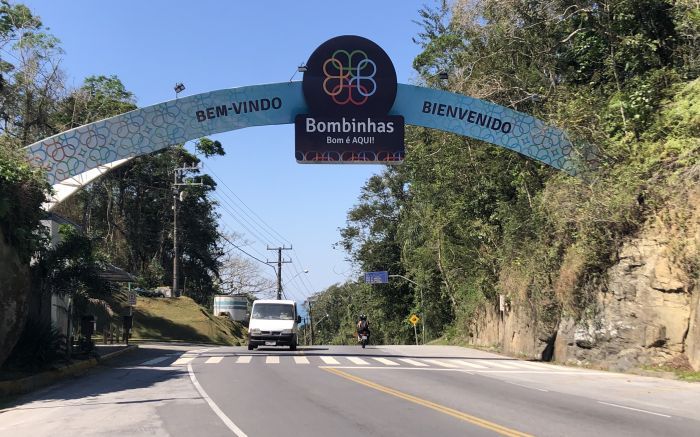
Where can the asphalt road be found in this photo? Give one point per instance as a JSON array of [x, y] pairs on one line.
[[189, 390]]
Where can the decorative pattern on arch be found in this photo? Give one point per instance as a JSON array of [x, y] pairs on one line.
[[76, 157]]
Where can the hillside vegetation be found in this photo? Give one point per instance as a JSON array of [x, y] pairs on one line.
[[182, 319], [469, 222]]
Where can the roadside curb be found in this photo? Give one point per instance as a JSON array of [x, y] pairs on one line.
[[115, 354], [34, 382]]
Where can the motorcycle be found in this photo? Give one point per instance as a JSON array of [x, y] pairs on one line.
[[363, 337]]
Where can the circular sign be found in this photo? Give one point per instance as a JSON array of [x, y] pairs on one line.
[[349, 75]]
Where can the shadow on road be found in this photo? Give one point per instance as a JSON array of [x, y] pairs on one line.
[[121, 374]]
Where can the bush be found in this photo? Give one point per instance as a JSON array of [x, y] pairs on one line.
[[40, 346]]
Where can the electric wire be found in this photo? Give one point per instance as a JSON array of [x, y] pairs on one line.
[[263, 226], [225, 206]]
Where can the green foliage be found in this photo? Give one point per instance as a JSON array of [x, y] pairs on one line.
[[99, 97], [72, 267], [209, 147], [16, 20], [40, 346], [22, 191], [130, 211], [472, 221]]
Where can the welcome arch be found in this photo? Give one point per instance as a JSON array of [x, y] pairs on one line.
[[76, 157]]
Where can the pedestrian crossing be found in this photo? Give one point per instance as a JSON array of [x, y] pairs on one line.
[[366, 361]]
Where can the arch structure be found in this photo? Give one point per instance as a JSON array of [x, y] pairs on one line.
[[75, 158]]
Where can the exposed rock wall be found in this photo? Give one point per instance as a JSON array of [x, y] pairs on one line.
[[642, 318], [646, 313], [14, 293], [515, 332]]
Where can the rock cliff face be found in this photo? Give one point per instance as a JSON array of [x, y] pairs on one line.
[[14, 294], [646, 313]]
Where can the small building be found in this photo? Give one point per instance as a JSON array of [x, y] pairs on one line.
[[234, 306]]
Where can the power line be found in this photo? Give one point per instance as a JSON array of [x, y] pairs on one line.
[[227, 208], [263, 226], [252, 247], [240, 249], [251, 210]]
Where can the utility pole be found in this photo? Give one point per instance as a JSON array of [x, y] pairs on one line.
[[279, 267], [177, 174], [311, 322]]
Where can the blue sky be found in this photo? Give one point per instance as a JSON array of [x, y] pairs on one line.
[[210, 45]]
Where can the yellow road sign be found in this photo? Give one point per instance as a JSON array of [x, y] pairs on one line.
[[413, 319]]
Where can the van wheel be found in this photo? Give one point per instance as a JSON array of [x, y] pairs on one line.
[[250, 347], [293, 346]]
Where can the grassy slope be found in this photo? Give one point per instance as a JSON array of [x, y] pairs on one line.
[[181, 319]]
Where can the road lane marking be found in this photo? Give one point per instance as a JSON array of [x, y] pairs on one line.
[[432, 405], [214, 360], [386, 362], [330, 360], [155, 361], [224, 418], [442, 364], [466, 363], [301, 360], [413, 362], [525, 386], [358, 360], [272, 360], [525, 365], [634, 409], [499, 365], [245, 359], [540, 366], [462, 370], [182, 361]]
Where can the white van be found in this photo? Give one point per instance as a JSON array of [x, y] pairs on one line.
[[273, 323]]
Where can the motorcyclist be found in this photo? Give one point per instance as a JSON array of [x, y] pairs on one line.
[[362, 327]]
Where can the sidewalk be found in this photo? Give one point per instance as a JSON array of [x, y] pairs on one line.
[[30, 383]]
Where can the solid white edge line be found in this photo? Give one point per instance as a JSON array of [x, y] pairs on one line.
[[525, 386], [633, 409], [224, 418]]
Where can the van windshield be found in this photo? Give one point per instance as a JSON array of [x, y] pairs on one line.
[[273, 311]]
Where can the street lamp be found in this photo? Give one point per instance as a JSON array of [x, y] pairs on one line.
[[316, 324], [295, 276], [302, 68], [179, 87], [422, 308]]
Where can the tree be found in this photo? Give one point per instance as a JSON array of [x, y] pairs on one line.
[[31, 82]]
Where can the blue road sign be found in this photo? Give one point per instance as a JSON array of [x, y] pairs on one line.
[[377, 277]]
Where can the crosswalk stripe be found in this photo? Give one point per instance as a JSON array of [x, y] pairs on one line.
[[357, 360], [301, 360], [154, 361], [469, 364], [386, 362], [330, 360], [499, 365], [181, 361], [245, 359], [525, 365], [214, 360], [413, 362], [272, 360], [442, 364]]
